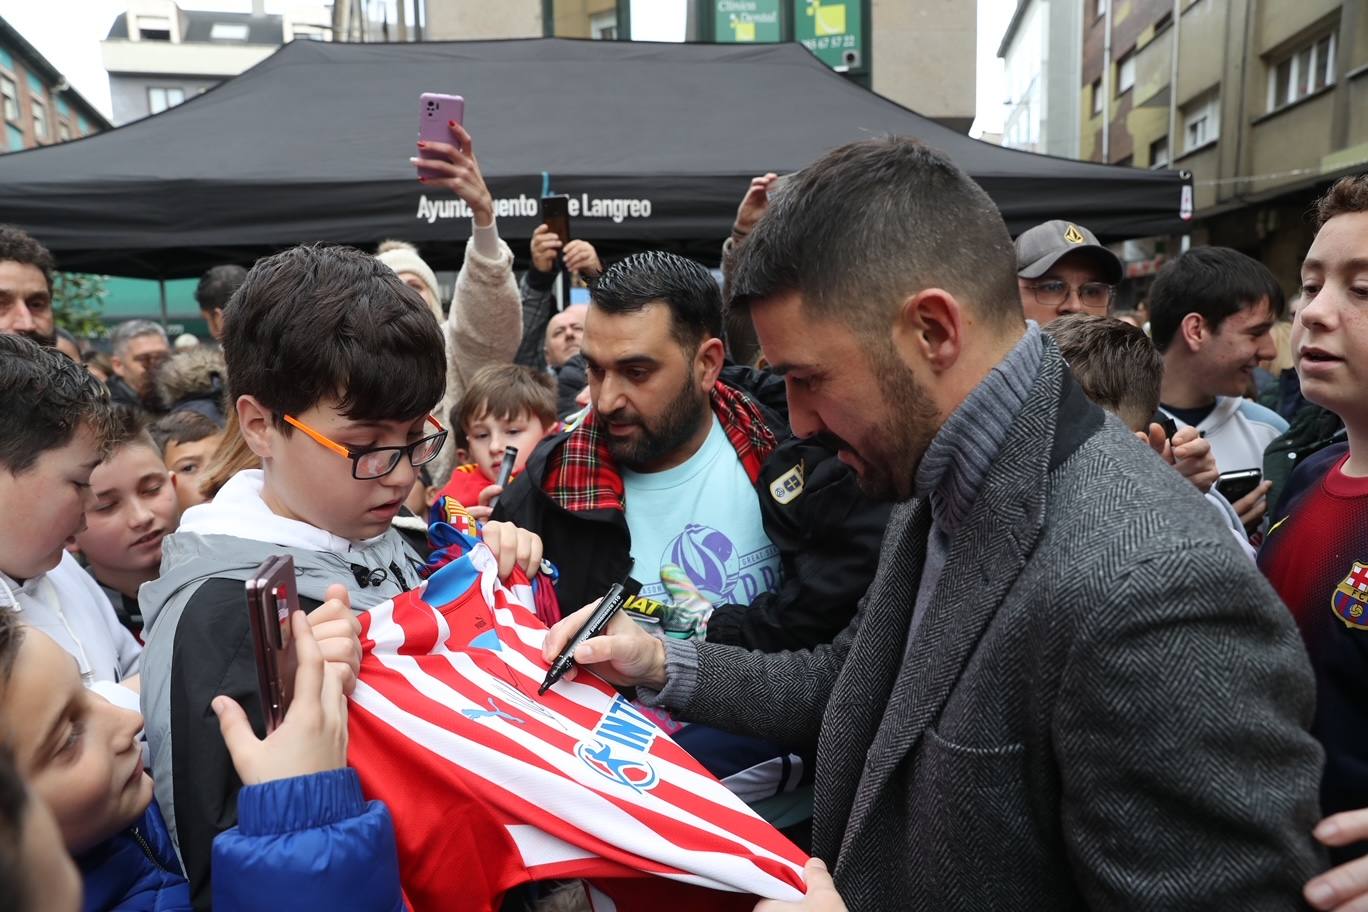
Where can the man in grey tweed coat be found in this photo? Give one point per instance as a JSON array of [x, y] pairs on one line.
[[1066, 688]]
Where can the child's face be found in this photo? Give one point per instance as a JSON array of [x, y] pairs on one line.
[[186, 461], [1330, 332], [490, 436], [135, 508], [51, 496], [78, 751], [307, 481]]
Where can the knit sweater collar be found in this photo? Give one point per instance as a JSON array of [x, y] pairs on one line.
[[963, 450]]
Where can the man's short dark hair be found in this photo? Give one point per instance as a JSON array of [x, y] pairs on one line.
[[217, 285], [314, 323], [865, 226], [1214, 282], [45, 397], [1346, 195], [656, 277], [183, 426], [18, 247], [1116, 363]]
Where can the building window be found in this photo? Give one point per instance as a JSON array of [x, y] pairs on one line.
[[16, 137], [1097, 97], [1125, 73], [63, 131], [604, 25], [10, 91], [154, 28], [40, 128], [159, 98], [309, 33], [1300, 72], [229, 31], [1201, 121], [1159, 153], [1100, 8]]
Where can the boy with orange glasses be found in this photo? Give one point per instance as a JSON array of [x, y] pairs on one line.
[[334, 366]]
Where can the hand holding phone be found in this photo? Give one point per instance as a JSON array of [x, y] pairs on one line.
[[436, 113], [313, 735], [556, 216], [1237, 485], [272, 602]]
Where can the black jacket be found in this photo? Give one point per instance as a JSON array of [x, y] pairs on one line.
[[828, 535]]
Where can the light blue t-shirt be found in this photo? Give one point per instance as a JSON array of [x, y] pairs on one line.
[[704, 516]]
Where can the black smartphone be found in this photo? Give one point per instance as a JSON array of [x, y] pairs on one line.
[[1234, 485], [272, 600], [505, 471], [556, 216]]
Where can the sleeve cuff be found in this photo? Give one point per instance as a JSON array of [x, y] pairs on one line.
[[541, 281], [681, 676], [299, 803], [487, 238]]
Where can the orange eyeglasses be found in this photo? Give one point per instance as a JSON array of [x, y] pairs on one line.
[[377, 462]]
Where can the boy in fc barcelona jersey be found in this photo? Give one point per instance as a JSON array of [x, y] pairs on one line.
[[1316, 555]]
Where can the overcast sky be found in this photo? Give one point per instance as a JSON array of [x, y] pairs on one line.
[[68, 34]]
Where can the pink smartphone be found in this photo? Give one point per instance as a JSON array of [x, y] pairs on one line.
[[434, 113]]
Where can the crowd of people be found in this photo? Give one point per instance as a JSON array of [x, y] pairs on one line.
[[985, 592]]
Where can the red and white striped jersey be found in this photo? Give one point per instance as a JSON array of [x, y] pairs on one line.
[[492, 786]]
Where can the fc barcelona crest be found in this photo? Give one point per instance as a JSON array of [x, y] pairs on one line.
[[1350, 598]]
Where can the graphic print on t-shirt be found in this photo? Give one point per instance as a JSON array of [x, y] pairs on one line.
[[704, 517]]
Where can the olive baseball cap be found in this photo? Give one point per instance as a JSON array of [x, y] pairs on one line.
[[1039, 248]]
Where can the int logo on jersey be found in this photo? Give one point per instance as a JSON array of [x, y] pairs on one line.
[[621, 737], [1350, 598]]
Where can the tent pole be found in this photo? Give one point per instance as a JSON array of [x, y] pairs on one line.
[[161, 287]]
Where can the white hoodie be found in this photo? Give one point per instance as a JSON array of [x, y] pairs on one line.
[[66, 603], [1238, 430]]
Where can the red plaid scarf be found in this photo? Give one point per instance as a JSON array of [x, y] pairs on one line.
[[581, 475]]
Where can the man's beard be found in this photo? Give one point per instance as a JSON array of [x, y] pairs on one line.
[[48, 341], [910, 423], [679, 422]]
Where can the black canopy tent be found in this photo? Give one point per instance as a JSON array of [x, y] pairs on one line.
[[654, 143]]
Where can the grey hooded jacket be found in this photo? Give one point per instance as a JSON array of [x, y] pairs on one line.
[[198, 645]]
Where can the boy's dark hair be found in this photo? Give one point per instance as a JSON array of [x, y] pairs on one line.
[[505, 391], [183, 426], [44, 398], [1346, 195], [12, 632], [1214, 282], [656, 277], [18, 247], [14, 809], [314, 323], [1116, 364], [866, 225], [217, 285], [126, 427]]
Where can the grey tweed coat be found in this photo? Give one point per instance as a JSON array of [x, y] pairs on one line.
[[1105, 706]]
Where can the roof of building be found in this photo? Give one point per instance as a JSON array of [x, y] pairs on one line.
[[199, 25], [1007, 36], [11, 38]]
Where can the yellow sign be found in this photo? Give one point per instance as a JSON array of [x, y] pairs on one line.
[[1073, 235], [743, 31], [827, 20]]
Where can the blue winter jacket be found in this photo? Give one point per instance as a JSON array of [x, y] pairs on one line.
[[312, 842]]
